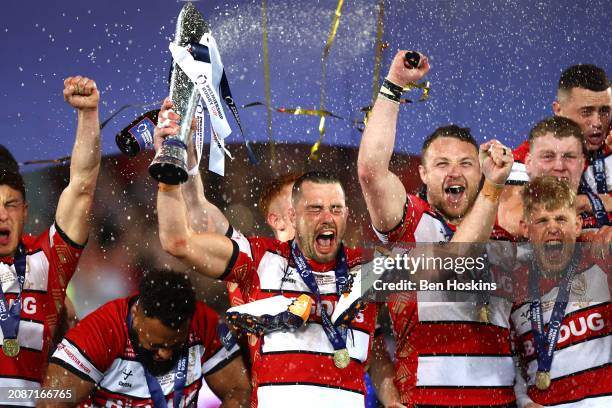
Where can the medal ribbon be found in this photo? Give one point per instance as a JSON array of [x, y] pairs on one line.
[[546, 340], [207, 76], [597, 205], [180, 377], [599, 171], [336, 336], [10, 316]]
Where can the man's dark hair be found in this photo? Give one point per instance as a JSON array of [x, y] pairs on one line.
[[318, 177], [167, 296], [9, 172], [560, 127], [453, 131], [586, 76]]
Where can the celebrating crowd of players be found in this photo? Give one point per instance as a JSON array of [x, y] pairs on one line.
[[311, 336]]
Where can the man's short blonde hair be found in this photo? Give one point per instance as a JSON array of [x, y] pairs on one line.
[[548, 192]]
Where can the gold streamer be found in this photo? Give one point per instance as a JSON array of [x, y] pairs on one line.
[[297, 111], [264, 16], [423, 85], [380, 46], [328, 44]]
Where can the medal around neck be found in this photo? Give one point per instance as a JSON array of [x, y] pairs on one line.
[[483, 314], [10, 347], [342, 358], [543, 380], [170, 163]]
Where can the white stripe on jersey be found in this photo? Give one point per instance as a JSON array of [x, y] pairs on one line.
[[37, 275], [596, 402], [577, 357], [243, 243], [271, 273], [30, 335], [52, 232], [467, 371], [592, 285], [518, 174], [429, 229], [432, 308], [219, 357], [128, 377], [312, 338], [12, 384], [69, 354], [306, 396]]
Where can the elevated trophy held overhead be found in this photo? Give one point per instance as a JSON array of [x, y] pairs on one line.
[[170, 163]]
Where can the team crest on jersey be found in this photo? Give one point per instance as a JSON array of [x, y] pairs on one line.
[[579, 286]]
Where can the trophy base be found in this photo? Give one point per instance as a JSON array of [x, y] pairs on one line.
[[168, 171], [170, 165]]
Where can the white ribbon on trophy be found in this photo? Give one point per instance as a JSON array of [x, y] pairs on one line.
[[207, 77]]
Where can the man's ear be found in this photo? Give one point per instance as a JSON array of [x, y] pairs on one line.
[[291, 213], [528, 163], [275, 221], [423, 174], [25, 213], [578, 225], [556, 108]]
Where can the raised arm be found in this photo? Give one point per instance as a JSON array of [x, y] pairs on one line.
[[495, 163], [74, 206], [60, 378], [208, 253], [203, 215], [384, 193]]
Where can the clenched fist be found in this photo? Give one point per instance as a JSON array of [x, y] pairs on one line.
[[81, 93], [402, 73]]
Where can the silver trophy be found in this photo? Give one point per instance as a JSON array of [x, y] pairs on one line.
[[170, 163]]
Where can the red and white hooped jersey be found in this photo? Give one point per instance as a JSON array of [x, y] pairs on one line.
[[582, 363], [299, 366], [444, 355], [99, 350], [51, 260]]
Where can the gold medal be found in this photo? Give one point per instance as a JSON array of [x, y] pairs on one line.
[[543, 380], [483, 314], [342, 358], [10, 347]]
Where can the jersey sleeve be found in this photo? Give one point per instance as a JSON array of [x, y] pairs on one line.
[[89, 349], [243, 242], [218, 352], [64, 253], [413, 210]]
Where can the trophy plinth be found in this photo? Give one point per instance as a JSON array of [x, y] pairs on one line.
[[170, 164]]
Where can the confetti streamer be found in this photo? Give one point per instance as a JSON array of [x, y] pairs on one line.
[[266, 61], [330, 40], [103, 124]]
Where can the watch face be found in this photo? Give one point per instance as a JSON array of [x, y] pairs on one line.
[[413, 58]]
